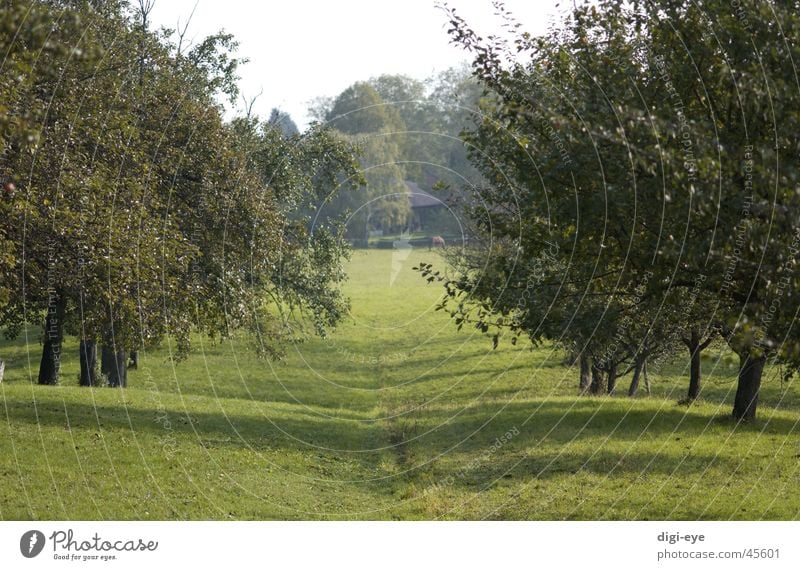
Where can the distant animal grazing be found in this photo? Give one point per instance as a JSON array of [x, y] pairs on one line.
[[437, 241]]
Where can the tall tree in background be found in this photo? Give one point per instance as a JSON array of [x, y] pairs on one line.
[[284, 122], [435, 112], [407, 98], [408, 129], [364, 117], [455, 98]]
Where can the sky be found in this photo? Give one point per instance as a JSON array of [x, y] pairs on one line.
[[302, 49]]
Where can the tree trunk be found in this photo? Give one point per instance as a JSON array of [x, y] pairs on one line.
[[2, 369], [746, 401], [122, 369], [637, 374], [134, 363], [106, 360], [88, 356], [612, 379], [586, 374], [50, 365], [114, 366], [646, 378], [596, 386], [694, 366]]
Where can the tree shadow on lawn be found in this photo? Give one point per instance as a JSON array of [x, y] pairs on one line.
[[553, 464], [474, 374], [473, 432], [554, 444], [290, 391], [288, 429], [564, 421], [294, 388]]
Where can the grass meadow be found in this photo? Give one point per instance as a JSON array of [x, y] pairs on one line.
[[395, 416]]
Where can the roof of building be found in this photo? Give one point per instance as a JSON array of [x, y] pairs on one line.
[[419, 198]]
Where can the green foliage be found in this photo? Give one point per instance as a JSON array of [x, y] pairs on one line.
[[434, 112], [407, 130], [364, 118], [359, 109], [138, 208], [659, 180]]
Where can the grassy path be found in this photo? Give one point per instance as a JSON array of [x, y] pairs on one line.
[[395, 416]]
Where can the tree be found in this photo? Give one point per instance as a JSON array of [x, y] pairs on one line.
[[455, 97], [645, 169], [23, 39], [376, 126], [144, 214], [565, 259], [408, 129], [747, 189], [284, 122], [434, 113], [407, 98]]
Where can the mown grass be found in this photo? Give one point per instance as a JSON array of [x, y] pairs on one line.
[[395, 416]]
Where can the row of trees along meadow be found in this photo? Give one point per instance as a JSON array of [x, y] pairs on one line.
[[132, 212], [642, 192]]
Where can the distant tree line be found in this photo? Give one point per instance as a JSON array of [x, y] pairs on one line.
[[642, 193], [132, 212], [408, 130]]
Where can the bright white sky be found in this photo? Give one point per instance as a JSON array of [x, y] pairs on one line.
[[301, 49]]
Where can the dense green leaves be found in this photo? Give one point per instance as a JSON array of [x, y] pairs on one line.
[[649, 146], [139, 212]]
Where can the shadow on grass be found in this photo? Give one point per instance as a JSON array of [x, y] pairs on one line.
[[285, 383], [288, 429], [602, 463], [553, 422], [561, 422]]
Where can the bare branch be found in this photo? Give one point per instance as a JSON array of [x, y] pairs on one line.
[[145, 7], [248, 103], [182, 31]]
